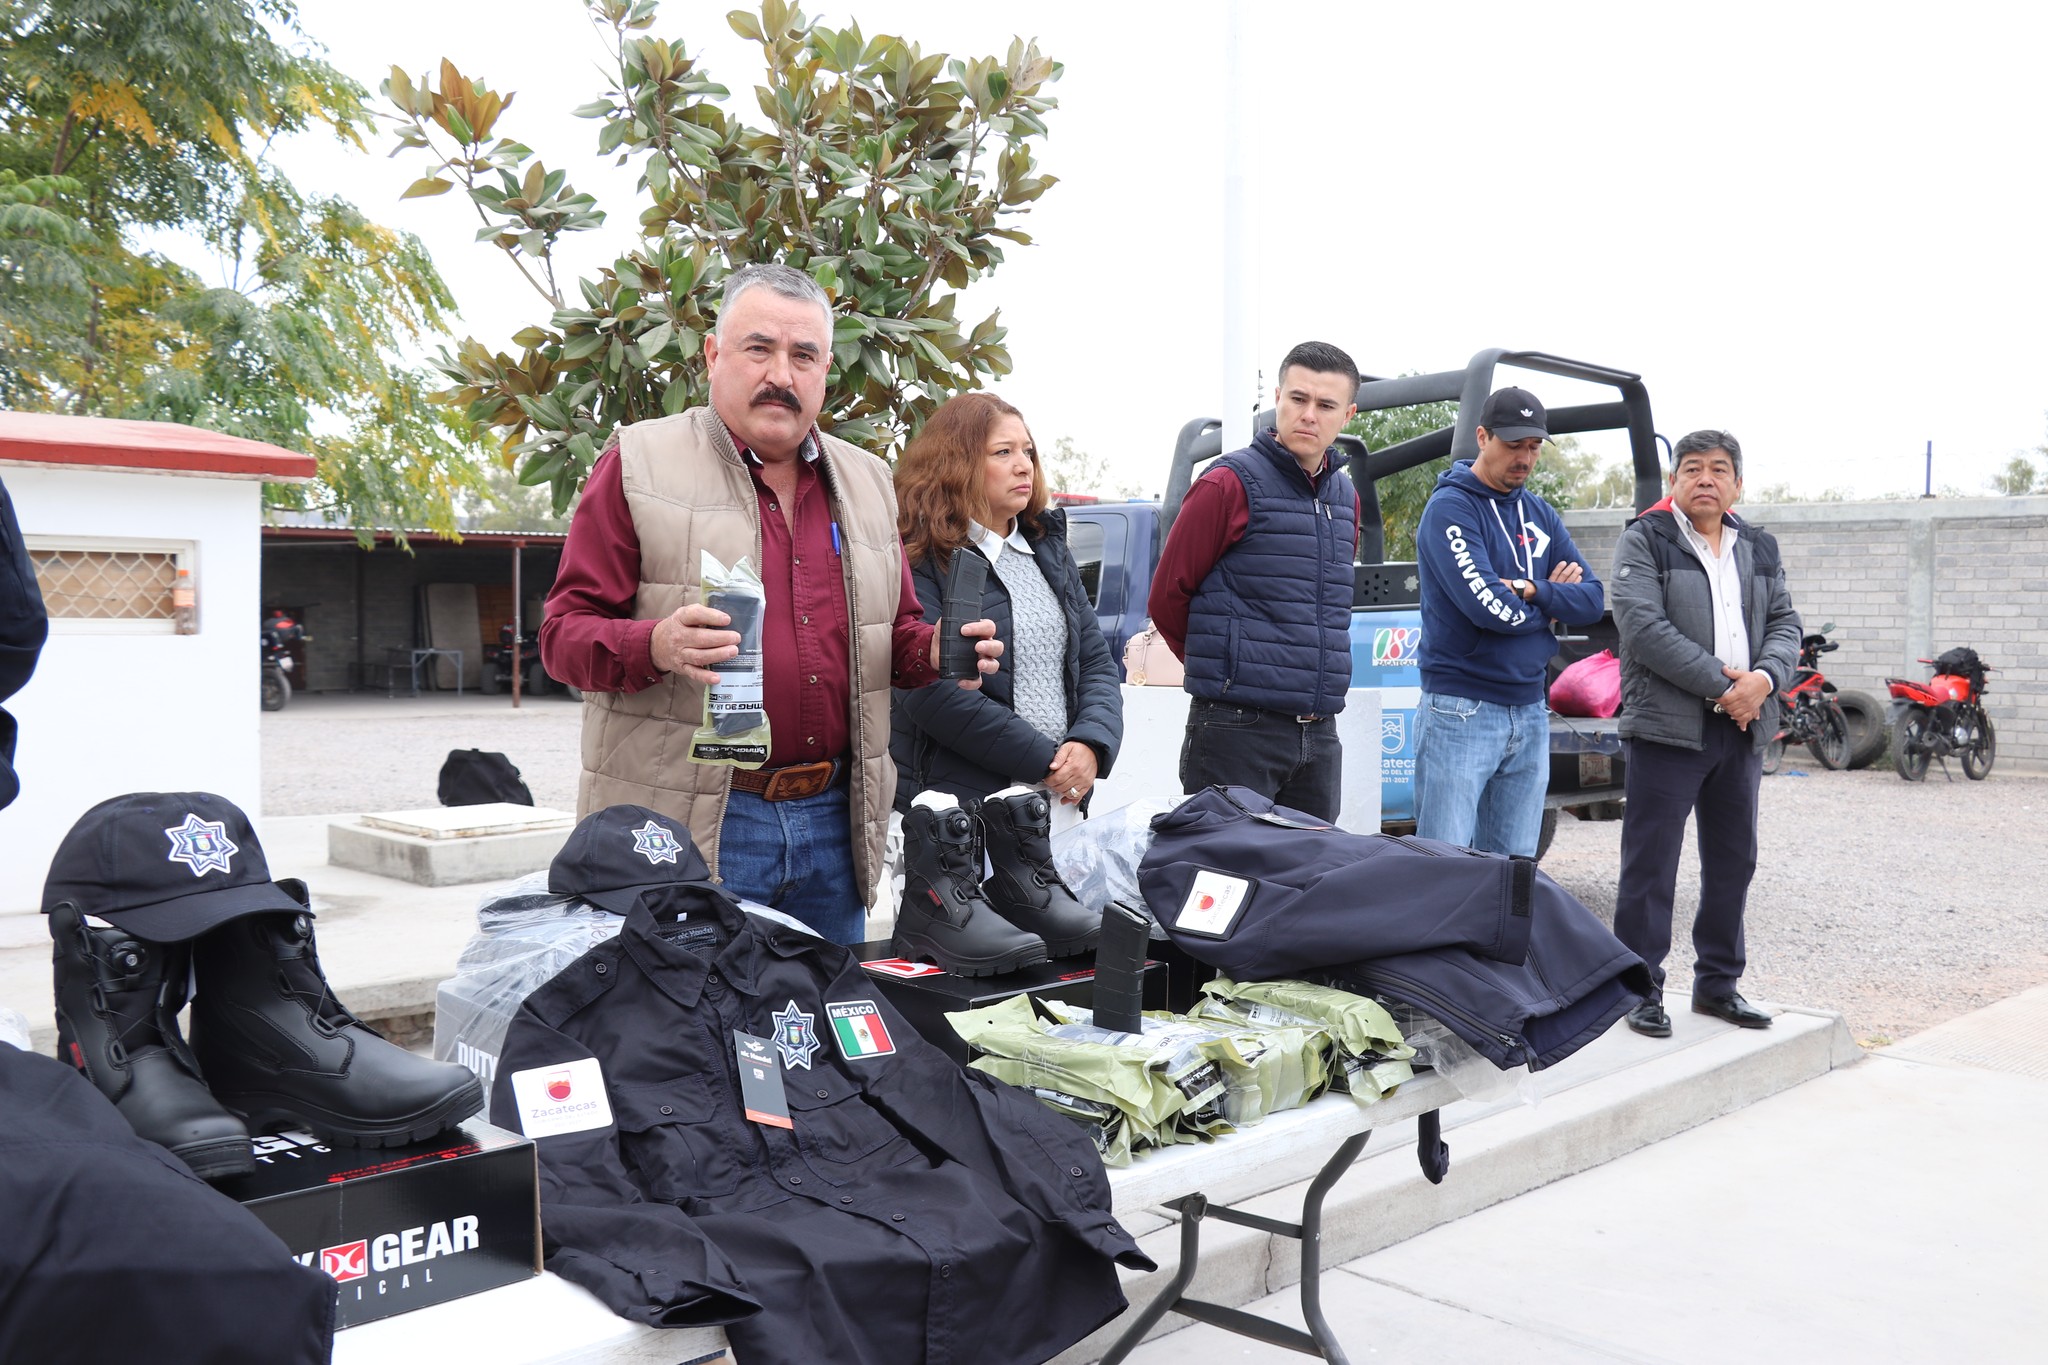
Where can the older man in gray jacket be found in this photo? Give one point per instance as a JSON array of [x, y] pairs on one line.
[[1708, 639]]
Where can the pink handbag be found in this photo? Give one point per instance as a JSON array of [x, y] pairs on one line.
[[1148, 662], [1590, 687]]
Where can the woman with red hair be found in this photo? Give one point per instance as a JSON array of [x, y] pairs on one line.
[[1052, 716]]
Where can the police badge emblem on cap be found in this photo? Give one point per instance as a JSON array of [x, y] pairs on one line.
[[615, 854], [165, 866]]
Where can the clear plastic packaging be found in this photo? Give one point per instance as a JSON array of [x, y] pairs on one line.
[[735, 729], [525, 936], [14, 1028], [1470, 1074], [1265, 1068], [1098, 858]]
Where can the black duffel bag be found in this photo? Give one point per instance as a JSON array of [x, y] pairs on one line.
[[473, 777]]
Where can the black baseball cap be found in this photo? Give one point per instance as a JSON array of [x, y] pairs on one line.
[[1514, 415], [165, 866], [620, 851]]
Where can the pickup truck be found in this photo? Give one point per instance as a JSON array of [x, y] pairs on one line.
[[1118, 544]]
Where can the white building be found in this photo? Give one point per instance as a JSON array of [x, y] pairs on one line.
[[121, 702]]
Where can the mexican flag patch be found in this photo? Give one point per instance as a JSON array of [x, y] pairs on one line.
[[858, 1026]]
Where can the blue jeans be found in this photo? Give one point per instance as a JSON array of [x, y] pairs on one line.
[[796, 857], [1480, 771]]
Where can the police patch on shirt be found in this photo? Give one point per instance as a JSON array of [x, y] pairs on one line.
[[858, 1028], [656, 843], [794, 1036], [568, 1098], [202, 845]]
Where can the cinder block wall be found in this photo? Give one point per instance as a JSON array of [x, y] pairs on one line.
[[1910, 578], [322, 579]]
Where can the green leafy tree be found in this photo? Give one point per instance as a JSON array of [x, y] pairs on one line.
[[2017, 479], [1567, 475], [893, 176], [1069, 469], [505, 504], [1403, 495], [123, 117], [43, 285]]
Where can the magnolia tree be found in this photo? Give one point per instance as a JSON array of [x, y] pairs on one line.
[[892, 176]]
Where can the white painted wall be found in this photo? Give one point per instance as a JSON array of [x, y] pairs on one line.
[[1156, 718], [110, 713]]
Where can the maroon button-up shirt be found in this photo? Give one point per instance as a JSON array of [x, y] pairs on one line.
[[591, 641]]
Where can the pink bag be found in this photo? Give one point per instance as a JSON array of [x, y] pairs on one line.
[[1149, 661], [1590, 687]]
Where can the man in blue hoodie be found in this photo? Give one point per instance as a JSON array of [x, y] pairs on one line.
[[1496, 566]]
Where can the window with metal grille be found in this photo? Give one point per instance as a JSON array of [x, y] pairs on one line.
[[108, 585]]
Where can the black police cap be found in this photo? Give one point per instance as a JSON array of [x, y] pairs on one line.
[[165, 866], [620, 851]]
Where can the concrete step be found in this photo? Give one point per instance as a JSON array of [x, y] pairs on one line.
[[451, 845], [1616, 1096]]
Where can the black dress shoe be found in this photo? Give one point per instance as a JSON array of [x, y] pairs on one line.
[[1734, 1009], [1650, 1020]]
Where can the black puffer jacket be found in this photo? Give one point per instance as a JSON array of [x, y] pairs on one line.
[[971, 743]]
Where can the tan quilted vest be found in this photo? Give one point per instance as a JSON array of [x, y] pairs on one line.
[[689, 492]]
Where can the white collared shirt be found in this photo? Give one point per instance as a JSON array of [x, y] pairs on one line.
[[992, 543], [1724, 586]]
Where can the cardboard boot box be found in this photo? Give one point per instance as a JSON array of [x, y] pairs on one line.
[[927, 994], [400, 1228]]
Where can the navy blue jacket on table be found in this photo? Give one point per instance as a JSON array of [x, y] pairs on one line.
[[1479, 640], [1270, 626], [1487, 945], [916, 1211], [971, 742], [111, 1250]]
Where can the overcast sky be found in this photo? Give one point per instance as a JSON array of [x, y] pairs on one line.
[[1816, 224]]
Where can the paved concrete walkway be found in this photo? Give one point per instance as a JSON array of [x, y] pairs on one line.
[[1895, 1210]]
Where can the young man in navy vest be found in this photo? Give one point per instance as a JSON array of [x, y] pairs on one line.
[[1496, 566], [1253, 592]]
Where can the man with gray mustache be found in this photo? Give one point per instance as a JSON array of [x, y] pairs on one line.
[[749, 476]]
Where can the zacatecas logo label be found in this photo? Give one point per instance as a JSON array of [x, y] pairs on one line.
[[1393, 646], [561, 1099]]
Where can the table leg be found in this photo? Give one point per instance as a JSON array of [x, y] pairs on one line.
[[1319, 1340], [1167, 1298]]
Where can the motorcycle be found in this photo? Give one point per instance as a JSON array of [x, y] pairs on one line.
[[1942, 716], [1809, 712], [280, 633]]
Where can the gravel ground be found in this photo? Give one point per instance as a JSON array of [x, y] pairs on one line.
[[348, 754], [1900, 905]]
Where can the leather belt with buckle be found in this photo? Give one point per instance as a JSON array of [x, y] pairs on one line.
[[793, 783], [1308, 720]]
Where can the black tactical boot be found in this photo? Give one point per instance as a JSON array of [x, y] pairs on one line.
[[118, 999], [1025, 887], [279, 1048], [943, 915]]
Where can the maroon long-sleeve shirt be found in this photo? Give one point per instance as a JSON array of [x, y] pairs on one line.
[[1213, 517], [590, 639]]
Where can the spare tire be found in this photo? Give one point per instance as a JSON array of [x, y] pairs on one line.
[[1866, 727]]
